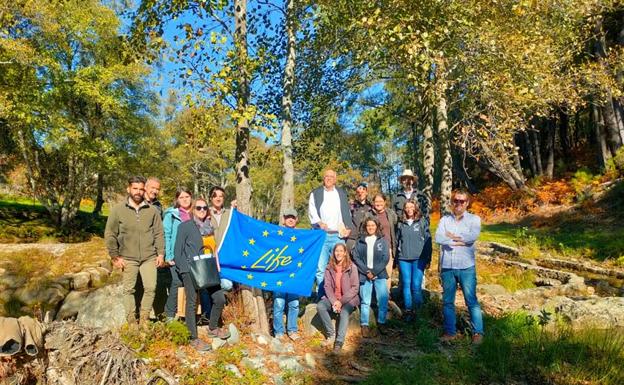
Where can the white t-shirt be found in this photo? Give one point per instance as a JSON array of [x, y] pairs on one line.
[[370, 250]]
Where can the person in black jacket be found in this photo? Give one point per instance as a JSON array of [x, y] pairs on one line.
[[195, 238], [371, 256], [414, 254]]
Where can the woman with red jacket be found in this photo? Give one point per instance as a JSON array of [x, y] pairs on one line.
[[341, 284]]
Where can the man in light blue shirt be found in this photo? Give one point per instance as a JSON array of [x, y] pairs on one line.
[[456, 234]]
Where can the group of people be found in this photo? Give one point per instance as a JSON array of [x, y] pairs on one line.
[[364, 241], [367, 239]]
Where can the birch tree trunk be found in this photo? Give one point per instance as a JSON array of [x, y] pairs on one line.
[[252, 297], [428, 159], [447, 158], [288, 185]]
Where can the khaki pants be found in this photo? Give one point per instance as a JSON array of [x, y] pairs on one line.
[[148, 277]]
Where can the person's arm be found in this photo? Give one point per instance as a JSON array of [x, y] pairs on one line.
[[111, 233], [168, 233], [440, 237], [159, 240], [470, 235], [361, 266], [312, 213], [179, 244], [381, 259], [354, 288], [329, 287], [399, 237]]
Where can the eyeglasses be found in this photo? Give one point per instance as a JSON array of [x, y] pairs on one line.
[[200, 208], [459, 201]]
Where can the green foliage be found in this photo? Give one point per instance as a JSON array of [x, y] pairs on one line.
[[154, 334], [615, 165]]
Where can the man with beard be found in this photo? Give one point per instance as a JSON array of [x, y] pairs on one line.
[[135, 243]]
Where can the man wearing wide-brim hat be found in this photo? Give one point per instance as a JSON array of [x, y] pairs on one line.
[[409, 182]]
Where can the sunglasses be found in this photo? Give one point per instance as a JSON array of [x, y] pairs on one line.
[[200, 208], [459, 201]]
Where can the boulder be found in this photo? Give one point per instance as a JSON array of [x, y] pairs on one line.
[[288, 363], [601, 313], [98, 276], [72, 303], [80, 281], [312, 322], [234, 335], [48, 297], [103, 308], [253, 363]]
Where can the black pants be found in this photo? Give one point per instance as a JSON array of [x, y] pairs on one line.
[[218, 303]]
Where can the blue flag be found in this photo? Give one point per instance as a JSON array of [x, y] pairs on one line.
[[268, 256]]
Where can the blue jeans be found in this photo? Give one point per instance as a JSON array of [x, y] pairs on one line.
[[328, 247], [366, 293], [467, 279], [412, 273], [279, 301]]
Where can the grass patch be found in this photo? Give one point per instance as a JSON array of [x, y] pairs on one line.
[[21, 220], [511, 278]]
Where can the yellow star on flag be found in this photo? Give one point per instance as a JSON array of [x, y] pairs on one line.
[[292, 275], [279, 283], [252, 241], [265, 233], [249, 276], [293, 238], [245, 253], [263, 284], [301, 250], [280, 232], [299, 264], [243, 267]]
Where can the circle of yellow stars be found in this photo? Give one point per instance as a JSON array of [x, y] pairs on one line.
[[252, 242]]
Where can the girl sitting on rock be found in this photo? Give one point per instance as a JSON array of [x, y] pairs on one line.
[[341, 284]]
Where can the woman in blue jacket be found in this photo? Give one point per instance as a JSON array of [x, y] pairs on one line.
[[181, 212], [414, 254], [371, 256]]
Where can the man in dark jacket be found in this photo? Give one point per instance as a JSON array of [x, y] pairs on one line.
[[409, 181], [360, 208], [135, 243]]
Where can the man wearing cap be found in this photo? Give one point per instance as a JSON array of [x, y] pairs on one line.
[[360, 208], [328, 209], [408, 180], [280, 299]]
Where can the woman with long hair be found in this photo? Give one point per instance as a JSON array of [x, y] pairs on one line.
[[196, 238], [414, 255], [180, 212], [371, 256], [341, 284]]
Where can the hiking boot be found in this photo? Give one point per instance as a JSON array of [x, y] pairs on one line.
[[365, 331], [200, 345], [337, 347], [477, 339], [294, 336], [447, 338], [218, 333]]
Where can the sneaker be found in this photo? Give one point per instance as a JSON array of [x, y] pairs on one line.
[[447, 338], [293, 336], [365, 331], [219, 333], [337, 347], [200, 345], [477, 339], [329, 342]]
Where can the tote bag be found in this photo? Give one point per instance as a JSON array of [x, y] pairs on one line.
[[204, 271]]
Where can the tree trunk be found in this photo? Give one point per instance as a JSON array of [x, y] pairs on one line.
[[459, 169], [447, 159], [99, 199], [529, 150], [428, 159], [564, 132], [537, 152], [550, 148], [498, 162], [252, 298], [601, 138], [288, 185]]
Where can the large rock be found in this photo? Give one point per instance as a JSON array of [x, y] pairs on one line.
[[312, 322], [80, 281], [601, 313], [47, 297], [103, 308], [73, 302]]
